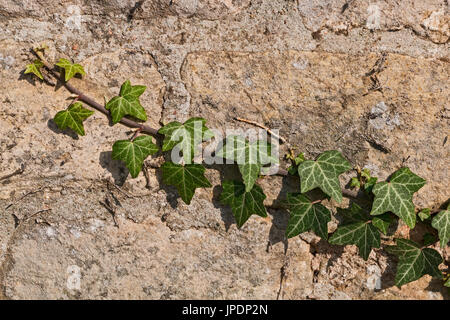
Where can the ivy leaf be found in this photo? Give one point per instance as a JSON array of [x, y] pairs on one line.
[[243, 203], [185, 178], [365, 173], [447, 282], [70, 69], [187, 135], [292, 170], [424, 214], [35, 68], [250, 157], [73, 118], [324, 173], [127, 103], [382, 222], [414, 262], [133, 153], [358, 230], [362, 234], [441, 222], [353, 214], [396, 195], [306, 216], [432, 260], [299, 158], [354, 183]]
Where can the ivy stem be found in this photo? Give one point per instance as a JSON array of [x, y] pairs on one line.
[[283, 140], [135, 134], [82, 97], [76, 99]]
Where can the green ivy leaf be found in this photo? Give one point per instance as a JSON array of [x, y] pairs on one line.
[[250, 156], [362, 234], [357, 230], [424, 214], [185, 178], [133, 153], [292, 170], [365, 173], [187, 135], [70, 69], [414, 262], [306, 216], [35, 68], [354, 183], [382, 222], [441, 222], [324, 173], [396, 195], [299, 158], [243, 204], [127, 103], [432, 261], [353, 214], [73, 118], [447, 282]]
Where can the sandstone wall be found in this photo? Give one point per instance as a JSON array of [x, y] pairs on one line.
[[301, 66]]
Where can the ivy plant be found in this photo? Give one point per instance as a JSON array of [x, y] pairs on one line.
[[35, 68], [324, 173], [396, 194], [243, 203], [127, 103], [73, 118], [134, 152], [441, 222], [186, 178], [414, 261], [70, 69], [306, 216], [367, 226], [360, 229]]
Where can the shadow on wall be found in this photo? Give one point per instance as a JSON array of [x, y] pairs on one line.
[[117, 168], [227, 172], [68, 132]]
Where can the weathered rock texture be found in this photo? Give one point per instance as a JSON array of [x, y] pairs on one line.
[[367, 78]]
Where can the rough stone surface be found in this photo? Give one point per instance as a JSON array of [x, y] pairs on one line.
[[303, 67]]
